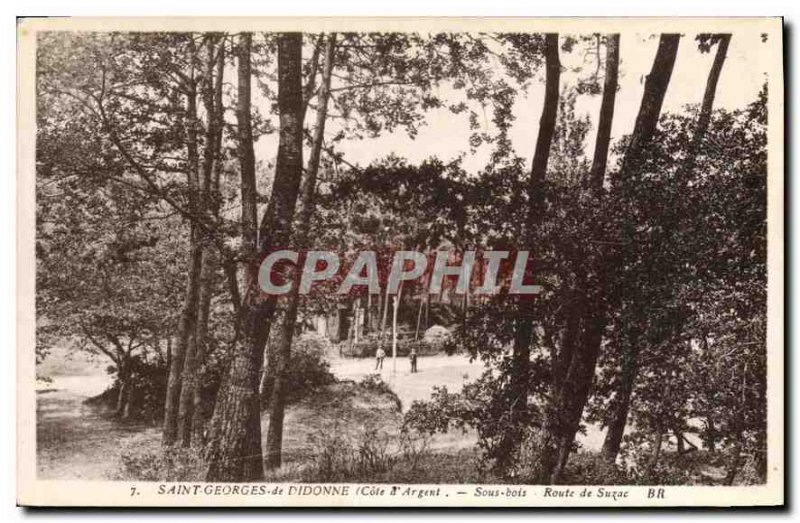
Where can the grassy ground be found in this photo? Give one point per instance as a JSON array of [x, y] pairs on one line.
[[77, 441], [343, 409]]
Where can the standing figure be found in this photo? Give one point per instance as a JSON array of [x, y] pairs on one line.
[[379, 355], [413, 357]]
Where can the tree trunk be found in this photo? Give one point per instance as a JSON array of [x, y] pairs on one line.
[[188, 420], [704, 118], [619, 415], [427, 310], [575, 390], [521, 351], [658, 442], [735, 462], [384, 315], [212, 169], [419, 318], [368, 314], [655, 89], [188, 319], [186, 396], [613, 438], [395, 307], [199, 410], [123, 393], [278, 397], [601, 146], [580, 364], [711, 434], [234, 450], [578, 367], [342, 322], [169, 352]]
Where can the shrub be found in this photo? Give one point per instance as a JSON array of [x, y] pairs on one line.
[[751, 473], [436, 335], [591, 468], [371, 455], [462, 466], [444, 313], [375, 383], [148, 390], [337, 457], [162, 464], [414, 447], [307, 370], [330, 459], [671, 469]]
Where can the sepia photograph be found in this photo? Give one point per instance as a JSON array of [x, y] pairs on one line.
[[400, 262]]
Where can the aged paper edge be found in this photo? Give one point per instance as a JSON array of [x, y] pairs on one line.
[[34, 492]]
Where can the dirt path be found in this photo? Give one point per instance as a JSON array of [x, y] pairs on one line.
[[78, 441], [74, 440]]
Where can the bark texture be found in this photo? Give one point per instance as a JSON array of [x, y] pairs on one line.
[[234, 450], [278, 396], [587, 318], [190, 415], [520, 373], [646, 122], [603, 140], [188, 317]]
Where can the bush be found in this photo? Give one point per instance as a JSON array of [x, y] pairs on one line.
[[162, 464], [463, 466], [445, 313], [671, 469], [338, 458], [591, 468], [307, 370], [375, 383], [148, 390], [437, 335], [372, 455]]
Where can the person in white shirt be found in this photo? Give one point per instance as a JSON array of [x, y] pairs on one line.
[[379, 356]]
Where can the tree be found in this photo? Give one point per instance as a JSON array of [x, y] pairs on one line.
[[191, 419], [277, 398], [646, 121], [704, 117], [382, 81], [106, 264], [708, 323], [188, 322], [576, 366], [234, 448], [663, 262], [521, 354], [603, 140], [147, 144]]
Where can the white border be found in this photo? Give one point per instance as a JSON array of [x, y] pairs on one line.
[[775, 213]]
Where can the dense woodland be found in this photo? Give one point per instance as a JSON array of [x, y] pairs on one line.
[[154, 211]]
